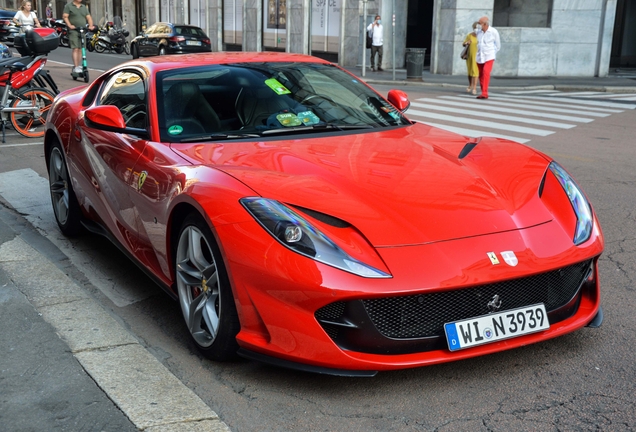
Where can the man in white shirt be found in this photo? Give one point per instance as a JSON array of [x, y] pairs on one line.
[[488, 44], [376, 30]]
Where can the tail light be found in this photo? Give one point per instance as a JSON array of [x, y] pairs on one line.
[[206, 41], [176, 39]]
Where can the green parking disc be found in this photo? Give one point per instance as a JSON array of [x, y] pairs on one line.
[[175, 130]]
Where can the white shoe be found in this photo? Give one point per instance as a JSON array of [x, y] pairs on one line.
[[77, 69]]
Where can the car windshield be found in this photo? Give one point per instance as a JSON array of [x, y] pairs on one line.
[[247, 100]]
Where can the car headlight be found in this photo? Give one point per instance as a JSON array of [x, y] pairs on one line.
[[579, 202], [295, 233]]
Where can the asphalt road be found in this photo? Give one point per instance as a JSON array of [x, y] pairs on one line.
[[582, 381]]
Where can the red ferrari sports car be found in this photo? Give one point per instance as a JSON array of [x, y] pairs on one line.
[[301, 219]]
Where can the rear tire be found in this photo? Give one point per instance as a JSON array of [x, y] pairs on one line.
[[85, 75], [64, 41], [31, 123], [65, 206], [99, 47], [127, 48]]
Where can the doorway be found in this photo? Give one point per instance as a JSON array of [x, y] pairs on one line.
[[419, 26]]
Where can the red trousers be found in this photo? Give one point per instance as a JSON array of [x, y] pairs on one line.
[[484, 76]]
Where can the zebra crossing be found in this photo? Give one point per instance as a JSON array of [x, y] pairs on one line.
[[518, 115]]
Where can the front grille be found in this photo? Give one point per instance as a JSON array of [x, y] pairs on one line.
[[424, 315], [415, 322]]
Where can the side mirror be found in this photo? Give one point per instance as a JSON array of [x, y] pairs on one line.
[[399, 99], [109, 118]]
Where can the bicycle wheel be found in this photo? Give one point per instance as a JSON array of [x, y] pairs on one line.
[[30, 123]]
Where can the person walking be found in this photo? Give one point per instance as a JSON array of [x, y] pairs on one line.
[[76, 15], [25, 17], [488, 44], [471, 60], [376, 30]]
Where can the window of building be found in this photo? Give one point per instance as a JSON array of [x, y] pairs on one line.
[[521, 13]]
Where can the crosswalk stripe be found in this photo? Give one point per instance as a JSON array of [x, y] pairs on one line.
[[553, 103], [546, 106], [581, 104], [568, 94], [490, 115], [477, 104], [532, 91], [482, 123], [613, 96], [473, 132]]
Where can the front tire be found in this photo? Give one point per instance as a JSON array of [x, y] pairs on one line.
[[134, 51], [205, 295], [65, 206], [100, 47]]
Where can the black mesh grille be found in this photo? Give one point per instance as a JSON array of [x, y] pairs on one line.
[[331, 312], [423, 315]]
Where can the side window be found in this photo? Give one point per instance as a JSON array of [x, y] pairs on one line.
[[127, 91]]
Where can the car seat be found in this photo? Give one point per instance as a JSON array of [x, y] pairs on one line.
[[186, 107]]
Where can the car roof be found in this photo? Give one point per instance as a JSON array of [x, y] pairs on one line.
[[159, 63]]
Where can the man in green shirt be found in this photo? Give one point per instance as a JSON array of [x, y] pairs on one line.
[[76, 15]]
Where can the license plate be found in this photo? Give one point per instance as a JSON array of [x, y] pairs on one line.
[[191, 42], [497, 326]]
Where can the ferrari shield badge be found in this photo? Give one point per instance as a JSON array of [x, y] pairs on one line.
[[141, 179], [510, 258], [493, 258]]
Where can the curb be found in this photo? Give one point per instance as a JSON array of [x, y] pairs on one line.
[[139, 384]]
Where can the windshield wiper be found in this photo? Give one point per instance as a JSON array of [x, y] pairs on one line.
[[318, 127], [219, 136]]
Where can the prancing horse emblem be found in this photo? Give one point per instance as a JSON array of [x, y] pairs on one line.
[[141, 179], [494, 304]]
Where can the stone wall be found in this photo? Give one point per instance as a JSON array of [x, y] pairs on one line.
[[577, 43]]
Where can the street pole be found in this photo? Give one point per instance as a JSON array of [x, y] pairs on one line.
[[393, 37], [364, 37]]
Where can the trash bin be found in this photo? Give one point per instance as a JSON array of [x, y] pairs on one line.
[[414, 62]]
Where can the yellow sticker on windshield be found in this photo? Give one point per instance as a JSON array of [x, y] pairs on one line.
[[276, 86]]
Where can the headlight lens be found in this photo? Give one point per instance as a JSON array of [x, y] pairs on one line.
[[580, 204], [295, 233]]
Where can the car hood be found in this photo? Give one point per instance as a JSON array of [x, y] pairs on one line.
[[403, 186]]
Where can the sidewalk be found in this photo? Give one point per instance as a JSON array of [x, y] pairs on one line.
[[619, 81]]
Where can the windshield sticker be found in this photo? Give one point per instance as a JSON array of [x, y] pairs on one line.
[[288, 119], [278, 88], [308, 118], [175, 130]]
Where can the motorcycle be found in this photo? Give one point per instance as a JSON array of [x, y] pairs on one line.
[[24, 104], [62, 31], [113, 38]]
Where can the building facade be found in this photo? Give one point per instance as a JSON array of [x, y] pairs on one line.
[[547, 38]]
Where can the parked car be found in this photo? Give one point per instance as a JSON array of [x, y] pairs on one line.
[[300, 218], [166, 38], [7, 28]]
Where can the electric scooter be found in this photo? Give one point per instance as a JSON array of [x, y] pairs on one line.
[[84, 73]]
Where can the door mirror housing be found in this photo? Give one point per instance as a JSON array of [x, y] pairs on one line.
[[399, 99]]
